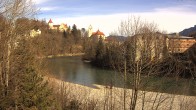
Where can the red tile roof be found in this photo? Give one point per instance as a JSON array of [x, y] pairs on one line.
[[65, 25], [50, 21], [98, 33]]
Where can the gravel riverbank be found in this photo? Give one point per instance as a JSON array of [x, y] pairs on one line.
[[106, 97]]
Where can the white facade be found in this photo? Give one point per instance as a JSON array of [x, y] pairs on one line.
[[34, 33], [90, 31]]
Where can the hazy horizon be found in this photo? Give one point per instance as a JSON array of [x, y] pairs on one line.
[[170, 16]]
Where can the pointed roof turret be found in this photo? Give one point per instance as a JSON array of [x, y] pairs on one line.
[[50, 21], [90, 27]]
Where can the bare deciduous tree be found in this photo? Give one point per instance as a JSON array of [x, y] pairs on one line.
[[11, 10], [143, 48]]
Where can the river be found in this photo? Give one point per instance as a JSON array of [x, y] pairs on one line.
[[73, 69]]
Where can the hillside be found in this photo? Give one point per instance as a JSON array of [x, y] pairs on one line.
[[116, 38], [189, 32]]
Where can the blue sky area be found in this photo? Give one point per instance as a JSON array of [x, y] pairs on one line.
[[70, 10]]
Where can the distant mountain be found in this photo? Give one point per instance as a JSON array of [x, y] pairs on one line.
[[191, 32], [116, 38]]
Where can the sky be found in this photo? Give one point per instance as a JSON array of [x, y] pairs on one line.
[[106, 15]]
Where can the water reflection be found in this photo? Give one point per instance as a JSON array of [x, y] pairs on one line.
[[72, 69]]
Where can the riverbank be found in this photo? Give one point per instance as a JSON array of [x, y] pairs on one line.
[[63, 55], [106, 97]]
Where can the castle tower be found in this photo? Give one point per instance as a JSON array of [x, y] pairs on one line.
[[50, 24], [90, 30]]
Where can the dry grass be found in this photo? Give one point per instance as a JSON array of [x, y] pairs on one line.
[[105, 98]]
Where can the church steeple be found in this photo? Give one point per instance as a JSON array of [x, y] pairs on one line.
[[90, 30], [50, 23]]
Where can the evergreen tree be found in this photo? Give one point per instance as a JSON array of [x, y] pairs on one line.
[[100, 53], [65, 34], [76, 34], [74, 30], [27, 89]]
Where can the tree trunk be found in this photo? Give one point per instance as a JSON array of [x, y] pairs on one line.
[[135, 86], [125, 80]]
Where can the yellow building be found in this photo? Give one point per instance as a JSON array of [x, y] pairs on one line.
[[61, 28], [148, 47], [34, 33], [97, 35], [179, 44]]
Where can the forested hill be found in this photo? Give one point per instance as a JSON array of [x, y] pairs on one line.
[[189, 32]]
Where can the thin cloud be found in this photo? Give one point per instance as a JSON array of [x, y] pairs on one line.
[[49, 8], [40, 1], [176, 9]]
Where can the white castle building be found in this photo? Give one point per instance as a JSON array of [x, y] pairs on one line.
[[61, 28]]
